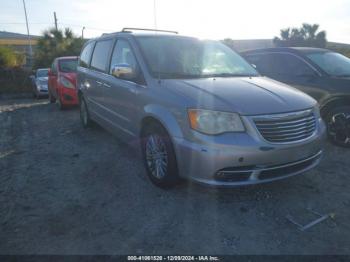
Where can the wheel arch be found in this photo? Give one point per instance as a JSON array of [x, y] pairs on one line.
[[160, 114], [333, 103]]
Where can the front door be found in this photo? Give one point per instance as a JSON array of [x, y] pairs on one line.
[[121, 96]]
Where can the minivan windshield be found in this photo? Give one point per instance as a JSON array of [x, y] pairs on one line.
[[332, 63], [68, 65], [185, 57]]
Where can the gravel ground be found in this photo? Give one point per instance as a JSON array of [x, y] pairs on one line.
[[66, 190]]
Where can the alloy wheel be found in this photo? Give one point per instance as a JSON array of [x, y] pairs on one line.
[[156, 156], [339, 128]]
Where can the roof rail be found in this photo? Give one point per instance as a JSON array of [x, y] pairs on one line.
[[128, 29]]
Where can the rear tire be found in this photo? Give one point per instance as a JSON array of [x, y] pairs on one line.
[[59, 104], [84, 113], [159, 156], [338, 126], [52, 99]]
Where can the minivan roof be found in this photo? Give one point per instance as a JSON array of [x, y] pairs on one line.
[[141, 33], [298, 50]]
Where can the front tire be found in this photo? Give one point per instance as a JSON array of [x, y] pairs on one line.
[[84, 113], [338, 126], [159, 156]]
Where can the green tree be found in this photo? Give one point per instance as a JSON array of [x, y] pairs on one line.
[[55, 43], [307, 35], [8, 58]]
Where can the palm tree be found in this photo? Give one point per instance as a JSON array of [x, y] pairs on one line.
[[307, 35], [55, 43]]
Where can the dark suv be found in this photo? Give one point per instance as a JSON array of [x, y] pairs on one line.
[[321, 73]]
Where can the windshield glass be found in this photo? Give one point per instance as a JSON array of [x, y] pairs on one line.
[[68, 66], [42, 73], [182, 57], [332, 63]]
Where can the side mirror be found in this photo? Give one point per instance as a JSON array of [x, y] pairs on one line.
[[123, 71]]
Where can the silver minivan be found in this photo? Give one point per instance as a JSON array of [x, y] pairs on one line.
[[197, 109]]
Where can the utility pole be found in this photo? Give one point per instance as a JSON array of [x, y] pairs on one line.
[[155, 13], [29, 40], [82, 32], [54, 15]]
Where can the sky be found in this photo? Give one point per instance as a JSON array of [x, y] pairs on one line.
[[209, 19]]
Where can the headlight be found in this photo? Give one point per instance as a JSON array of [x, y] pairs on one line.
[[214, 122], [65, 82]]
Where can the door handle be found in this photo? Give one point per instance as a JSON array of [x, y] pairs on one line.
[[106, 85]]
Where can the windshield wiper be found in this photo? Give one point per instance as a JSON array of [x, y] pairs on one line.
[[175, 75], [189, 76], [229, 75], [345, 75]]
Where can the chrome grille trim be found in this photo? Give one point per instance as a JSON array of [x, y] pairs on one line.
[[286, 128], [283, 131]]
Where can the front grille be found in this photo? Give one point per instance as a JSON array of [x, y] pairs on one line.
[[286, 128]]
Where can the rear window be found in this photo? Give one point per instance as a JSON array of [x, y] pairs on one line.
[[100, 56], [68, 65], [86, 55], [42, 73]]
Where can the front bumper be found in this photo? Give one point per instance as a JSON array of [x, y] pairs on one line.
[[42, 90], [69, 96], [245, 158]]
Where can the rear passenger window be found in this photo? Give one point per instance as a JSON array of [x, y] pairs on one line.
[[86, 55], [100, 56]]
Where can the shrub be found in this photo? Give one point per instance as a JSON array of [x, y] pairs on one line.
[[14, 80]]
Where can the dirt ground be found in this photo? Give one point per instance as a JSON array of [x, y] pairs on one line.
[[66, 190]]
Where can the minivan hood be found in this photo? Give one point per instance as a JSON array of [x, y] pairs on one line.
[[244, 95]]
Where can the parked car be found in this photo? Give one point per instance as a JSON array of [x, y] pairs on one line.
[[198, 109], [62, 81], [39, 82], [321, 73]]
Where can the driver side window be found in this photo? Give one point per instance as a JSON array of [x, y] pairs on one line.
[[122, 54]]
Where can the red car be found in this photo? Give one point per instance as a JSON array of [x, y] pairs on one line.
[[62, 81]]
